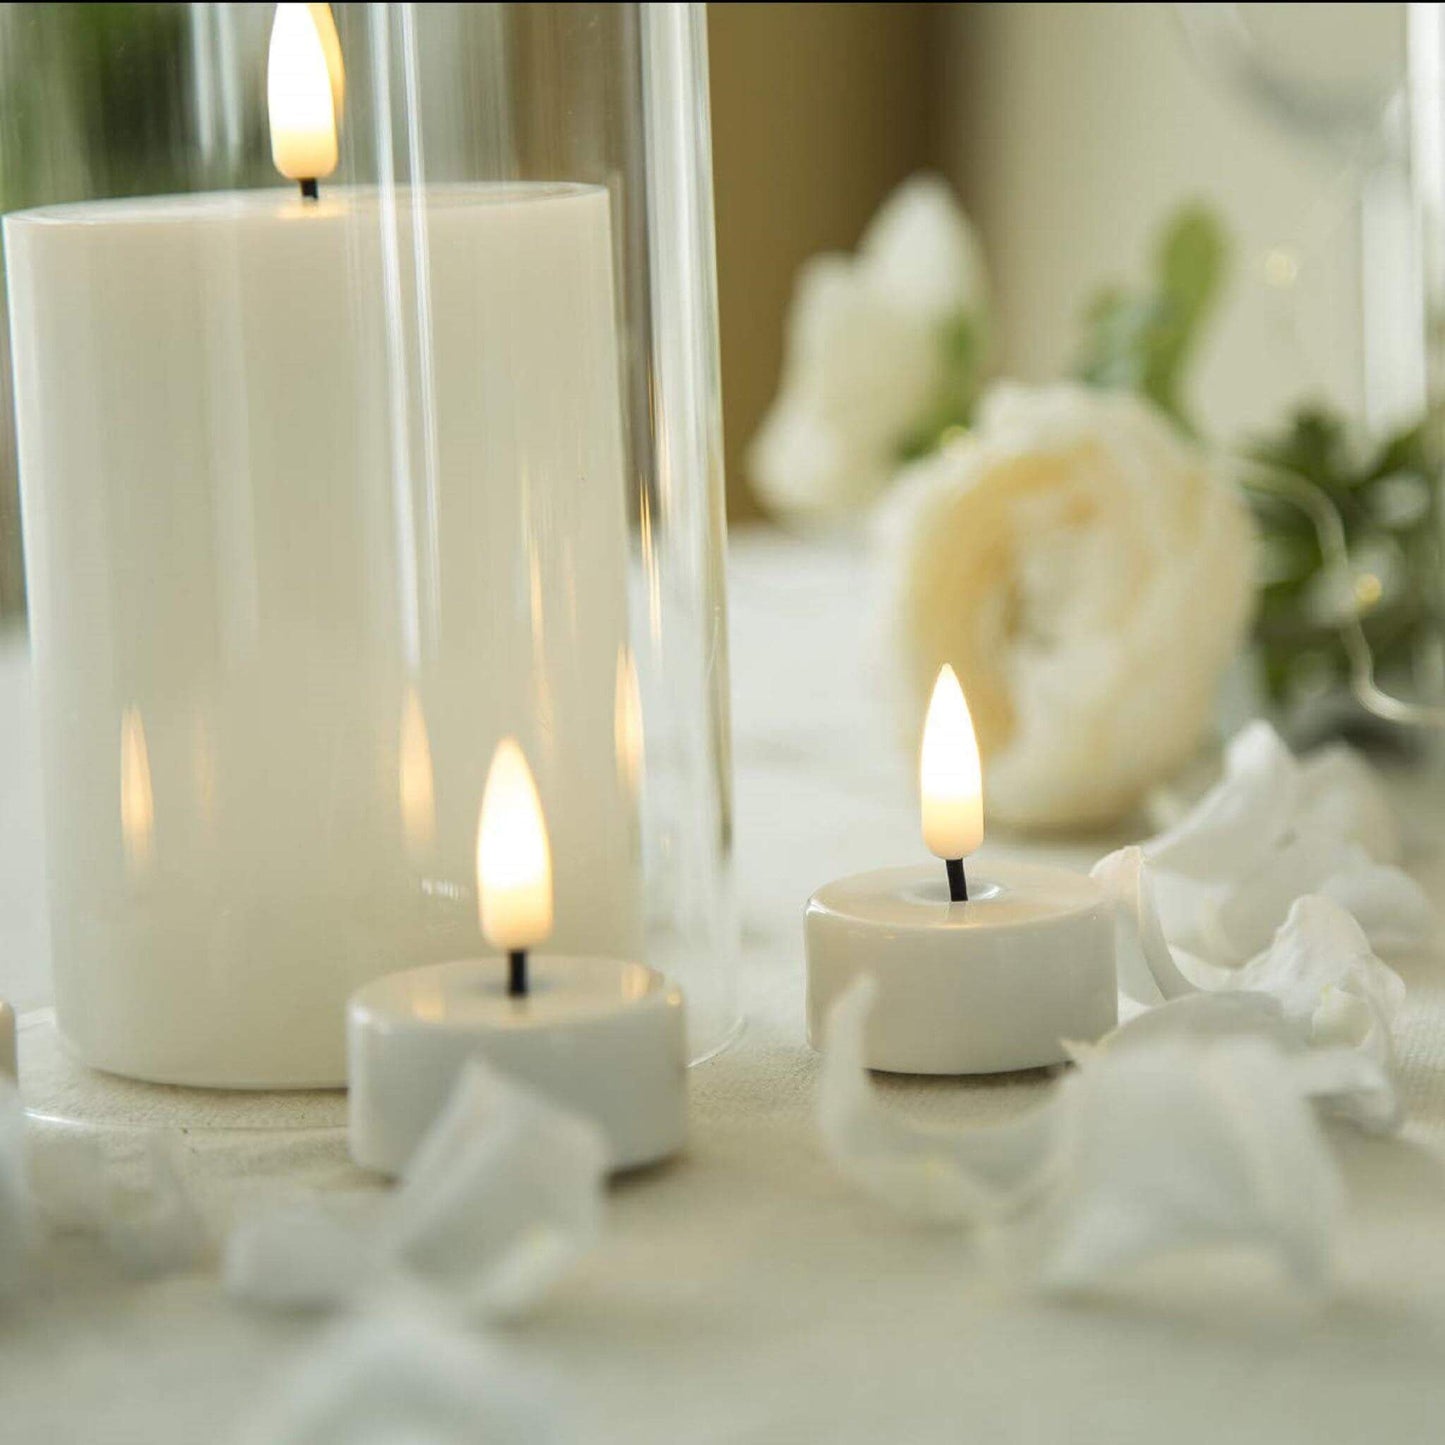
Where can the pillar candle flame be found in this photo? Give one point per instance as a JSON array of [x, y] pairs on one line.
[[514, 858], [305, 87], [950, 776]]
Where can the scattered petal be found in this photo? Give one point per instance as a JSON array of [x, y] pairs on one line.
[[399, 1377], [1341, 797], [1148, 973], [503, 1194], [302, 1257], [927, 1174], [1182, 1144], [1248, 813], [128, 1191], [1170, 1137]]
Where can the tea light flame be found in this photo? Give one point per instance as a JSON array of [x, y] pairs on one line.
[[514, 858], [305, 88], [950, 776]]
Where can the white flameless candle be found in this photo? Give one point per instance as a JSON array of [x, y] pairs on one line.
[[602, 1038], [975, 976], [293, 573]]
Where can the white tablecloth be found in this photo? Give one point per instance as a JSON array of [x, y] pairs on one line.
[[745, 1293]]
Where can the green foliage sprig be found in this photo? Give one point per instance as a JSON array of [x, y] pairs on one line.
[[1385, 494], [1144, 340]]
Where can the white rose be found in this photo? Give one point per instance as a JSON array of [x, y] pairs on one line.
[[866, 360], [1089, 579]]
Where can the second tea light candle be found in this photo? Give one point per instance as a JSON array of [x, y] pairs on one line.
[[601, 1037], [979, 969]]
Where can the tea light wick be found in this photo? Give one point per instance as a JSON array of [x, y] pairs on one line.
[[305, 86], [957, 880], [950, 782], [514, 864]]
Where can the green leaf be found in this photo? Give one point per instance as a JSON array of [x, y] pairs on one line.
[[1297, 647], [1144, 341]]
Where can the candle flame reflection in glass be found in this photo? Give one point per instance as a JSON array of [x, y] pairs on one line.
[[514, 858], [305, 87], [627, 724], [949, 774], [418, 793], [137, 802]]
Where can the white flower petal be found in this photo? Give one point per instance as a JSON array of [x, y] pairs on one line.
[[1395, 913], [1162, 1142], [1176, 1145], [866, 362], [503, 1194], [921, 254], [1241, 920], [1148, 973], [1246, 815], [128, 1191], [1341, 797], [929, 1175], [302, 1257], [1320, 947], [400, 1377]]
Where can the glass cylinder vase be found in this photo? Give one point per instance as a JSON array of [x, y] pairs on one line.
[[333, 477]]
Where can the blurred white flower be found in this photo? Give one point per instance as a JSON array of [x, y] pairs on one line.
[[1088, 577], [870, 354]]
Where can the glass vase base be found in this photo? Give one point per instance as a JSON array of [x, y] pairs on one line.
[[58, 1089]]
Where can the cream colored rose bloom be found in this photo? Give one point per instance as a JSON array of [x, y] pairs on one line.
[[865, 359], [1089, 579]]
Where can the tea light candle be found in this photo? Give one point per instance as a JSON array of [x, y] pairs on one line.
[[978, 972], [601, 1037]]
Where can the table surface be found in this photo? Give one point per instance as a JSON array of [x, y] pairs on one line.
[[747, 1293]]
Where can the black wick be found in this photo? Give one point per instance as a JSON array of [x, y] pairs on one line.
[[957, 883], [310, 191], [517, 973]]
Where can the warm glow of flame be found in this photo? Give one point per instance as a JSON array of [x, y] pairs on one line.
[[305, 87], [514, 859], [137, 802], [627, 724], [418, 789], [949, 776]]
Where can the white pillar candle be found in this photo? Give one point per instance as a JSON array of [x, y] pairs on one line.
[[978, 970], [320, 499]]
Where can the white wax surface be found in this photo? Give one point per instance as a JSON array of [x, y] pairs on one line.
[[320, 501], [471, 994]]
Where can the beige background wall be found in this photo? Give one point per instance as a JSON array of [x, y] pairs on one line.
[[1074, 128], [1071, 131], [817, 112]]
